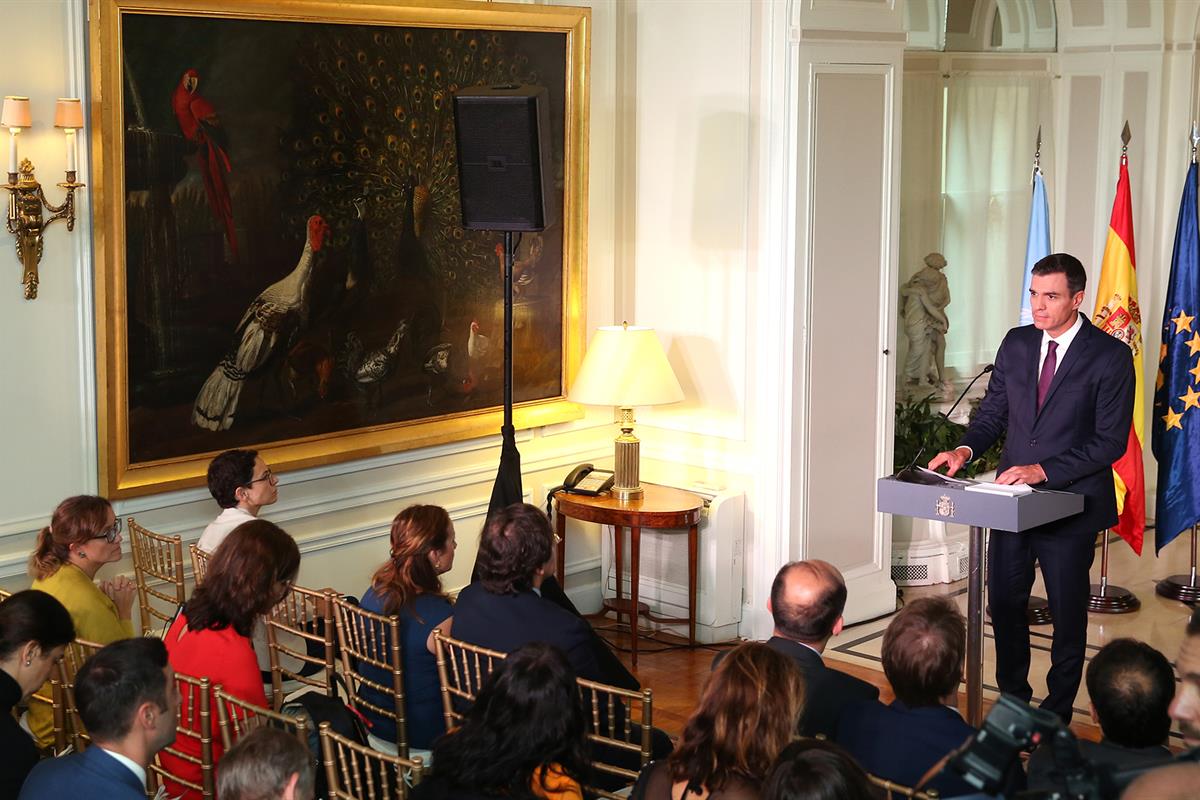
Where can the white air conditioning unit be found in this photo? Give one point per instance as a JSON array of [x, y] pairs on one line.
[[664, 568], [925, 552]]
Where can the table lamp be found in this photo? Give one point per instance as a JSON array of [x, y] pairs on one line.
[[625, 366]]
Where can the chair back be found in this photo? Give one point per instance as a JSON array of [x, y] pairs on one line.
[[355, 772], [368, 639], [199, 563], [56, 699], [303, 616], [891, 789], [158, 568], [4, 595], [618, 721], [462, 669], [76, 653], [236, 718], [195, 722]]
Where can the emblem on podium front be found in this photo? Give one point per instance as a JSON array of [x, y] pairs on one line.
[[944, 506]]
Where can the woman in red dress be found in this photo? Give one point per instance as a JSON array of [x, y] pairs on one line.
[[247, 576]]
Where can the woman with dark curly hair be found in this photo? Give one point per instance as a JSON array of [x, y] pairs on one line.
[[525, 737], [83, 535], [746, 716], [409, 585], [814, 769], [247, 576]]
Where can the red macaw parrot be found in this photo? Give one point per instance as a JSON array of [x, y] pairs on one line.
[[199, 124]]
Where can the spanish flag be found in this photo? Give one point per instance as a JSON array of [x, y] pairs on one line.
[[1118, 314]]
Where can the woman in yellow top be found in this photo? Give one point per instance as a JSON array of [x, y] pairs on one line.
[[84, 534]]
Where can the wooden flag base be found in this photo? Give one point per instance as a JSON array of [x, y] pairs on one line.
[[1106, 599], [1183, 588]]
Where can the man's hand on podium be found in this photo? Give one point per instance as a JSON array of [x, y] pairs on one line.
[[1030, 474], [953, 460]]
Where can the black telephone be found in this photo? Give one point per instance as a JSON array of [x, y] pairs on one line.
[[586, 479]]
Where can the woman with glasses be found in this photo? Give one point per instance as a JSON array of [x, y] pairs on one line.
[[241, 483], [247, 576], [83, 535]]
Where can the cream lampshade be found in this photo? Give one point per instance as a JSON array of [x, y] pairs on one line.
[[625, 366], [16, 112]]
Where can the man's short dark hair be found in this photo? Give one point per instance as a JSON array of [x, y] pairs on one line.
[[229, 471], [923, 649], [1131, 685], [1065, 264], [812, 622], [516, 541], [260, 765], [114, 682]]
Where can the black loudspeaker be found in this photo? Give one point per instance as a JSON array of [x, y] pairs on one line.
[[504, 176]]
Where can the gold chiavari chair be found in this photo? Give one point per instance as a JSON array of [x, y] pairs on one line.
[[236, 718], [355, 772], [892, 789], [373, 640], [305, 615], [195, 723], [57, 700], [199, 563], [76, 653], [462, 669], [4, 595], [618, 721], [157, 562]]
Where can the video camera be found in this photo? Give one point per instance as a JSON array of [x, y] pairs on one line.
[[1013, 726]]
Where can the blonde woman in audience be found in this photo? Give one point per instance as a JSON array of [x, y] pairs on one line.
[[84, 534], [409, 585], [745, 718]]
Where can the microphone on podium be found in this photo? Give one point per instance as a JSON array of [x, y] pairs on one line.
[[911, 474]]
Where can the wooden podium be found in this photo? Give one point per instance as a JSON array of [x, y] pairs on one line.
[[951, 502]]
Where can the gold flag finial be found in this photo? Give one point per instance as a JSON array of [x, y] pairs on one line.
[[1125, 136]]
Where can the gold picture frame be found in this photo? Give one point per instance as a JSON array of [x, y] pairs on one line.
[[137, 458]]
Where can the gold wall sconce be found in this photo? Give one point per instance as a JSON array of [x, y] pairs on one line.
[[26, 200]]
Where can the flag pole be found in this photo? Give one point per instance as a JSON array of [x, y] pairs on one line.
[[1103, 598], [1182, 587]]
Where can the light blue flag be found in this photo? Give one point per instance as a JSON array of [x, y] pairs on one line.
[[1037, 245]]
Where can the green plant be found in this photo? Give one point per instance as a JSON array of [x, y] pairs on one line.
[[921, 430]]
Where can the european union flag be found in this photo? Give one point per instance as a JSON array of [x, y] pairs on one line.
[[1176, 431]]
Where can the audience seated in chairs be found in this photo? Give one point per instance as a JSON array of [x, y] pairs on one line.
[[746, 716], [523, 738], [247, 575], [505, 610], [814, 769], [129, 701], [923, 649], [84, 534], [408, 585], [807, 601], [241, 483], [1185, 708], [267, 764], [35, 630], [1131, 686]]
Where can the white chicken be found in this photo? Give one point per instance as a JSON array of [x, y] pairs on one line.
[[266, 327], [477, 343]]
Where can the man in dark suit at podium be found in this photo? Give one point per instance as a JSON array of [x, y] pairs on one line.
[[807, 601], [1063, 392]]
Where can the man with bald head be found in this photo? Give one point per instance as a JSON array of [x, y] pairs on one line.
[[807, 600]]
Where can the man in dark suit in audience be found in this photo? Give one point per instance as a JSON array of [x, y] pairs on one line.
[[923, 649], [1131, 686], [807, 601], [129, 703]]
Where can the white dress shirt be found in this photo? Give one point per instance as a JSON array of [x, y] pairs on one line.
[[222, 526], [1063, 342]]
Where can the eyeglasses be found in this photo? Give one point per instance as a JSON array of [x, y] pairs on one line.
[[110, 534], [266, 476]]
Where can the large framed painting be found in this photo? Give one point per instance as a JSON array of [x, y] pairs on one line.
[[280, 257]]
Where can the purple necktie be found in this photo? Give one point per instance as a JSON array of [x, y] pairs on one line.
[[1047, 372]]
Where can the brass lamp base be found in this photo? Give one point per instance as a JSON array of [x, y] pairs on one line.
[[626, 465]]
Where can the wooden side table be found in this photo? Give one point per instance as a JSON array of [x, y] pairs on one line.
[[659, 507]]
